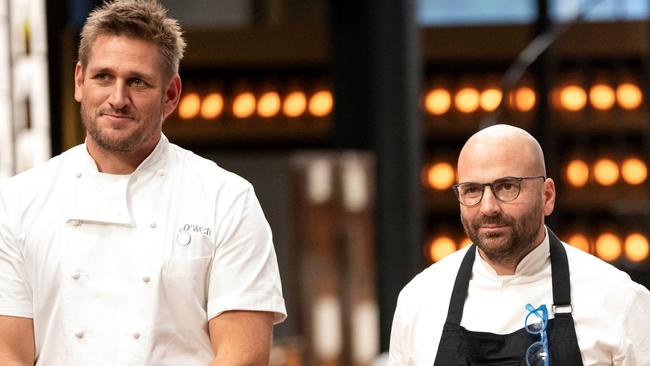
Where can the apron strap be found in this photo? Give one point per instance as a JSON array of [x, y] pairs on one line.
[[461, 285], [560, 275]]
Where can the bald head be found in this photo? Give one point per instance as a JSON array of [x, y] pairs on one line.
[[499, 151]]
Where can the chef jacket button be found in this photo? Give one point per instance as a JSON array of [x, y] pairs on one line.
[[161, 172], [79, 334], [75, 222], [76, 276], [135, 335], [146, 279], [153, 225], [78, 175]]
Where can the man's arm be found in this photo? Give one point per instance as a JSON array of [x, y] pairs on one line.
[[242, 338], [16, 341]]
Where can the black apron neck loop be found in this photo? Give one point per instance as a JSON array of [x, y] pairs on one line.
[[559, 274]]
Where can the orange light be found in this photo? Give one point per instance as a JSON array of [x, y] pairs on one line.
[[467, 100], [577, 173], [606, 172], [440, 176], [437, 101], [189, 106], [490, 99], [629, 96], [524, 99], [441, 247], [579, 241], [295, 104], [269, 104], [212, 106], [321, 103], [602, 97], [636, 247], [573, 98], [244, 105], [608, 247], [465, 242], [634, 171]]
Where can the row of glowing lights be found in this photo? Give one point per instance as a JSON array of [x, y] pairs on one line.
[[247, 104], [605, 171], [573, 98], [607, 246]]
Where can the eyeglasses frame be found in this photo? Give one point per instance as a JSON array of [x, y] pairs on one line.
[[491, 185]]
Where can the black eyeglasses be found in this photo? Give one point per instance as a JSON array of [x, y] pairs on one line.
[[505, 189]]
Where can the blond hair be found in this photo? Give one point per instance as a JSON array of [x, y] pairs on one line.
[[145, 19]]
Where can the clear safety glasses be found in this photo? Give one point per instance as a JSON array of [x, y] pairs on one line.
[[537, 354]]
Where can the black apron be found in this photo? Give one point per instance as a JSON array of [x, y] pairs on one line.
[[459, 346]]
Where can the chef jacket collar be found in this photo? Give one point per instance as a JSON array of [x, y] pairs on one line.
[[103, 198], [529, 269]]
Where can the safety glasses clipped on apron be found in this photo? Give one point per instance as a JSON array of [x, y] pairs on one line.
[[545, 342]]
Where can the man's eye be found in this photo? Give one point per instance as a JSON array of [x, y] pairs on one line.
[[101, 77], [470, 189], [505, 186], [138, 83]]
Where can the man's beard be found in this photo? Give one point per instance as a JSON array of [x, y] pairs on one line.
[[506, 248], [126, 144]]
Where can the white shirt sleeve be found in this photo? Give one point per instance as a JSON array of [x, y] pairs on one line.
[[15, 292], [397, 354], [634, 347], [244, 274]]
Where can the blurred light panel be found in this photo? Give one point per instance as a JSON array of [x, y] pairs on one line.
[[577, 173], [269, 104], [524, 99], [629, 96], [573, 98], [441, 247], [467, 100], [212, 106], [243, 106], [464, 242], [602, 97], [490, 99], [636, 247], [606, 172], [440, 176], [634, 171], [579, 241], [321, 103], [189, 106], [437, 101], [608, 247], [295, 104]]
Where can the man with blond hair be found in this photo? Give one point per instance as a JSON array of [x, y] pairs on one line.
[[127, 249]]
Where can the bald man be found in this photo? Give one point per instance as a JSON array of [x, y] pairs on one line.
[[517, 295]]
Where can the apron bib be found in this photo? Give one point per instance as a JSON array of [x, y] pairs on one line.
[[459, 346]]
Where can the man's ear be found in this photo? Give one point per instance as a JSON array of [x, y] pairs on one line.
[[549, 196], [78, 82], [172, 94]]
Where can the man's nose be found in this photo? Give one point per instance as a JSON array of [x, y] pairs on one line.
[[490, 203], [119, 96]]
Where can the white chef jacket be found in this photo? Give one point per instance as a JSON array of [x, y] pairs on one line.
[[611, 313], [128, 269]]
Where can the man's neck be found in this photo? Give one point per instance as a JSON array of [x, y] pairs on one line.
[[508, 266], [117, 162]]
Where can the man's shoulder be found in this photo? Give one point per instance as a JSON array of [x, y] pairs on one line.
[[41, 174], [439, 275], [207, 171]]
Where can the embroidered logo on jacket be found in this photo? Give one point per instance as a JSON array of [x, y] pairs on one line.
[[184, 236]]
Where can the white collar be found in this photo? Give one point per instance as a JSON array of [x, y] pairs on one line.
[[529, 269]]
